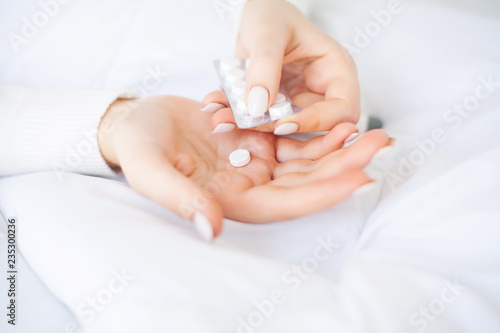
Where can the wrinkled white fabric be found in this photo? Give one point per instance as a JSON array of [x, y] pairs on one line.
[[418, 253]]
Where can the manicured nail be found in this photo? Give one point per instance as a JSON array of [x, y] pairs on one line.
[[382, 152], [258, 97], [351, 138], [204, 227], [223, 127], [365, 188], [212, 107], [286, 128]]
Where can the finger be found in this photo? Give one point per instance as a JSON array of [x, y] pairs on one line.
[[223, 120], [355, 157], [320, 116], [292, 179], [262, 203], [267, 127], [214, 101], [292, 79], [293, 166], [335, 77], [306, 99], [156, 178], [216, 97], [315, 148], [267, 49], [217, 102]]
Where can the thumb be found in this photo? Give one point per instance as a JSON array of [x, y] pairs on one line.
[[150, 173], [267, 49]]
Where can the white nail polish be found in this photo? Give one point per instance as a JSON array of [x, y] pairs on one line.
[[223, 127], [383, 152], [204, 227], [258, 97], [351, 138], [212, 107], [286, 128], [365, 188]]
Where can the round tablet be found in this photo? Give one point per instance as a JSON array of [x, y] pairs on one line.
[[280, 109], [227, 64], [234, 75], [239, 87], [241, 102], [239, 158], [280, 98]]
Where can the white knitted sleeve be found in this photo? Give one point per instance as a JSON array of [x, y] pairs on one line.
[[43, 130]]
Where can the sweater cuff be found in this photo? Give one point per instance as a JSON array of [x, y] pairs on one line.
[[56, 130]]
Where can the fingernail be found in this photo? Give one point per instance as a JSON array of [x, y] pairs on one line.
[[204, 227], [212, 107], [365, 188], [351, 138], [258, 97], [392, 141], [286, 128], [223, 127], [382, 152]]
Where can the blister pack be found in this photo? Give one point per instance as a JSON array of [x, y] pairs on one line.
[[232, 73]]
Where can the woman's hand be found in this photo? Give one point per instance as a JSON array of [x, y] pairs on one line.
[[167, 151], [315, 70]]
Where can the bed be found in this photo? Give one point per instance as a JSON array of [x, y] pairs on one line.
[[419, 252]]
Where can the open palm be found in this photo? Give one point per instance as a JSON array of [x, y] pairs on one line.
[[167, 152]]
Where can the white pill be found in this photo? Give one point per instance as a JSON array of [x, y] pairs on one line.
[[280, 98], [280, 109], [234, 75], [227, 64], [239, 87], [239, 158], [241, 102]]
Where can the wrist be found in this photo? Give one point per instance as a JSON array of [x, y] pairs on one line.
[[115, 114]]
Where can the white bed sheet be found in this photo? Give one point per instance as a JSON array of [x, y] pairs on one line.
[[439, 224]]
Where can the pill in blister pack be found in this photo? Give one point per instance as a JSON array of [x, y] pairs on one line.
[[232, 74]]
